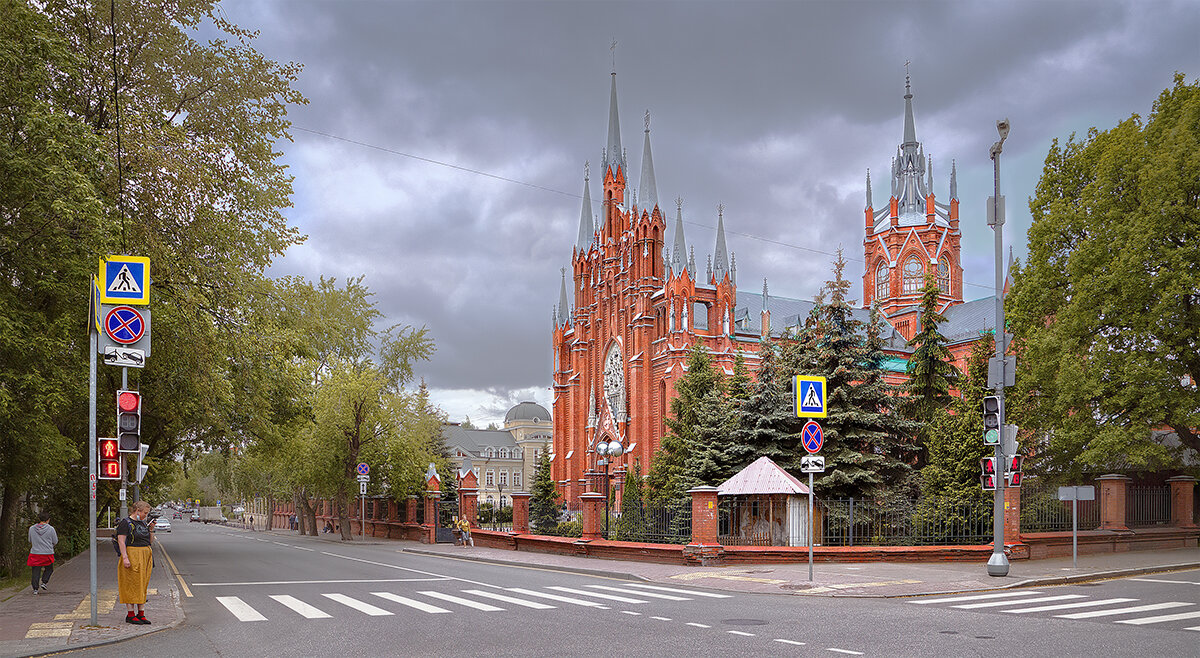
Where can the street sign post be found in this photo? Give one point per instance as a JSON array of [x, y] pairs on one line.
[[1074, 494], [809, 399], [125, 280], [363, 478]]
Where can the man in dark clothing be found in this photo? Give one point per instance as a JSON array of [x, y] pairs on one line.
[[42, 538]]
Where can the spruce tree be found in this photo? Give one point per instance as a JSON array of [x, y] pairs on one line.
[[544, 506], [930, 370], [955, 435], [764, 424], [632, 524], [689, 424]]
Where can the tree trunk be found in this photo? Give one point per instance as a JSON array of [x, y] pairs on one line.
[[340, 507], [270, 512], [309, 515], [8, 517]]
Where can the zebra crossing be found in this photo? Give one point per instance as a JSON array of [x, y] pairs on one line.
[[277, 606], [1119, 610]]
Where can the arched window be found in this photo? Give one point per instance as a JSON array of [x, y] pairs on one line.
[[944, 275], [504, 453], [913, 275], [489, 454], [882, 289]]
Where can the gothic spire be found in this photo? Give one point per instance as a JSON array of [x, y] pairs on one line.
[[562, 299], [587, 230], [869, 204], [953, 180], [721, 254], [910, 129], [679, 253], [765, 297], [648, 186], [614, 155]]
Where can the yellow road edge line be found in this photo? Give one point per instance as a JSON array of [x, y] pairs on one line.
[[183, 584]]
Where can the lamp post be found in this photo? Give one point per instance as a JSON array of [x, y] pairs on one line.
[[605, 450], [998, 564]]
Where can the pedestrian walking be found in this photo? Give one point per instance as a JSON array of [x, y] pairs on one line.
[[252, 523], [134, 539], [42, 538]]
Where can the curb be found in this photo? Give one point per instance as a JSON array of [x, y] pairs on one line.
[[514, 563], [1041, 582]]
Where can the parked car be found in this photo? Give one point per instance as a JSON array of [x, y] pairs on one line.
[[177, 515], [195, 517], [162, 525]]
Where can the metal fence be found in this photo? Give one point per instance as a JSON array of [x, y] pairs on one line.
[[657, 523], [1147, 506], [1042, 511], [922, 522]]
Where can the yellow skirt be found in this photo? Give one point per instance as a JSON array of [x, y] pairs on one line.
[[133, 581]]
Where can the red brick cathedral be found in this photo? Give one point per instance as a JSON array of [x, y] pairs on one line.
[[635, 304]]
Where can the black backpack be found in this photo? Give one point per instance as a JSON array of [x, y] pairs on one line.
[[116, 545]]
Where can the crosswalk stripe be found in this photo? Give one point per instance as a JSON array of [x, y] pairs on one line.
[[1161, 618], [1192, 628], [1068, 606], [361, 606], [652, 595], [609, 597], [419, 605], [974, 597], [554, 597], [240, 609], [303, 609], [997, 604], [509, 599], [1122, 611], [461, 601], [680, 591]]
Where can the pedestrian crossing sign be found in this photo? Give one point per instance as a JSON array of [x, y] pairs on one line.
[[810, 396], [125, 280]]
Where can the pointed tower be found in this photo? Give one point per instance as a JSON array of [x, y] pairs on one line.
[[721, 253], [647, 185], [587, 230], [562, 300], [679, 251]]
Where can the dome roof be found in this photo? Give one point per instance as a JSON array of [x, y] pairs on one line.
[[527, 411]]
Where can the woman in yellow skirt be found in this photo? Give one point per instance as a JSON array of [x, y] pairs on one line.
[[134, 538]]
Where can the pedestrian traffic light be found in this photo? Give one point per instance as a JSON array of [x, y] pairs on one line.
[[110, 460], [141, 468], [129, 420], [988, 478], [991, 415], [1012, 476]]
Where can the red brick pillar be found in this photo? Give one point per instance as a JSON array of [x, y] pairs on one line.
[[520, 500], [410, 510], [468, 505], [1012, 514], [1182, 506], [704, 515], [1112, 501], [431, 518], [593, 515]]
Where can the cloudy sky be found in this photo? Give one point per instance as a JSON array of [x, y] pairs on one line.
[[442, 152]]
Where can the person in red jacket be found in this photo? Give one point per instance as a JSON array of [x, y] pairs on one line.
[[42, 538]]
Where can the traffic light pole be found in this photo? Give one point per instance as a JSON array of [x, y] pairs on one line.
[[92, 482], [125, 465], [998, 563]]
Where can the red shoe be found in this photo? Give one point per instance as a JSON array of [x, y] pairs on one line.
[[141, 618], [131, 618]]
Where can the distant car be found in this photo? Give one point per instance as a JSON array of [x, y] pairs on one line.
[[177, 515], [239, 509], [195, 516], [162, 525]]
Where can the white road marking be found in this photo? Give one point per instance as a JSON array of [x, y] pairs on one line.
[[1122, 611], [321, 582], [301, 548], [303, 609], [692, 623], [1161, 580], [555, 597], [852, 653], [650, 594], [609, 597], [742, 633], [799, 644], [1067, 606], [361, 606], [630, 612], [974, 597], [662, 618], [1161, 618], [240, 609], [509, 599], [461, 601], [680, 591], [418, 605], [1041, 599]]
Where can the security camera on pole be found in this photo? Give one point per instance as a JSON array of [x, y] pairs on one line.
[[998, 368]]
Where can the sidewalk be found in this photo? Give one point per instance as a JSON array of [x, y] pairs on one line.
[[58, 619]]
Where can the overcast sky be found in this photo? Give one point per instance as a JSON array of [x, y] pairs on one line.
[[442, 151]]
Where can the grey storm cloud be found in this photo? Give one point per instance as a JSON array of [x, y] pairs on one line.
[[442, 152]]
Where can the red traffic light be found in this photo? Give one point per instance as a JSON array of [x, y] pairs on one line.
[[110, 460], [1014, 463], [128, 400], [988, 465]]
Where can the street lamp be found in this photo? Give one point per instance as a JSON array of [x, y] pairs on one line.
[[998, 563], [605, 450]]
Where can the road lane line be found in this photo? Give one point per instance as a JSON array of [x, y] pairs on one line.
[[1068, 606], [1122, 611], [1040, 599], [461, 601], [607, 597], [182, 584], [396, 566], [974, 597], [658, 588], [300, 607], [361, 606], [630, 612], [322, 582], [418, 605], [554, 597], [1161, 618], [650, 594], [698, 625], [509, 599], [1160, 580], [240, 609], [662, 618], [742, 633], [799, 644], [846, 651]]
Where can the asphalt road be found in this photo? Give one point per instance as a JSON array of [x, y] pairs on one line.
[[254, 594]]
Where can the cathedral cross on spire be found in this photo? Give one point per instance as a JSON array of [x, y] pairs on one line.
[[613, 48], [647, 120]]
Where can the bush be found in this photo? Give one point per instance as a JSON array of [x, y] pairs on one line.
[[569, 529]]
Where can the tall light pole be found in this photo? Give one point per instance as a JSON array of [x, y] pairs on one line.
[[606, 450], [998, 563]]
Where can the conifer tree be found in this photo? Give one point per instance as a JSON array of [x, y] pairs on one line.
[[930, 368], [955, 435], [690, 420], [632, 524], [764, 424], [544, 506]]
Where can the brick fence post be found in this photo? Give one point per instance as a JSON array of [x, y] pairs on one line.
[[704, 515], [1182, 505], [1012, 514], [1112, 501], [593, 511], [410, 510], [520, 512]]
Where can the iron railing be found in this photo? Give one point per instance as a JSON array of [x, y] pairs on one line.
[[656, 523], [934, 520], [1147, 506], [1042, 511]]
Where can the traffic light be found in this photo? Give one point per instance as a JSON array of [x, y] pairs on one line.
[[988, 478], [141, 468], [1012, 475], [110, 460], [991, 415], [129, 420]]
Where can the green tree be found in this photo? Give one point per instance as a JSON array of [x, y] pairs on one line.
[[954, 436], [544, 504], [1106, 312], [930, 368], [632, 524], [765, 425], [693, 423]]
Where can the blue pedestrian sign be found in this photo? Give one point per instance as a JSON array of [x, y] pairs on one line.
[[810, 396], [124, 325], [125, 280], [812, 437], [363, 469]]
